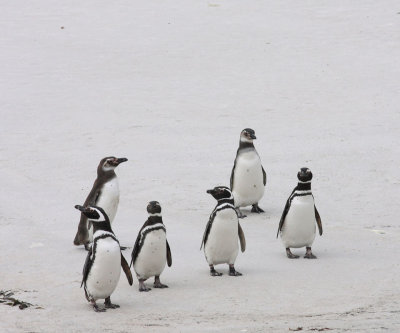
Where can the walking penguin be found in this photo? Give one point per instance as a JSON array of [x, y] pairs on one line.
[[297, 224], [151, 251], [248, 177], [104, 260], [223, 229], [104, 193]]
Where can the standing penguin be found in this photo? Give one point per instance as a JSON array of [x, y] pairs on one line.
[[248, 177], [297, 224], [104, 193], [151, 250], [103, 263], [223, 229]]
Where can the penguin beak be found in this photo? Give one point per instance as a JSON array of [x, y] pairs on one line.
[[83, 209], [211, 191], [252, 136], [121, 160]]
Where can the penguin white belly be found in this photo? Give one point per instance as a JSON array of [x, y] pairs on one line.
[[152, 257], [222, 243], [248, 180], [106, 269], [299, 227], [108, 200]]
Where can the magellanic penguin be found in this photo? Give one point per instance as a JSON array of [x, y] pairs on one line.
[[103, 263], [220, 239], [104, 194], [151, 251], [248, 178], [297, 224]]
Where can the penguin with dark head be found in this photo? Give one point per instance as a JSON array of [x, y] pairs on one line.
[[103, 263], [223, 231], [248, 177], [151, 250], [104, 193], [299, 217]]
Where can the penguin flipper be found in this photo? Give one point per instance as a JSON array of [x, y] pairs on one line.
[[126, 269], [233, 172], [207, 231], [285, 211], [136, 250], [264, 176], [87, 266], [169, 256], [318, 219], [242, 239]]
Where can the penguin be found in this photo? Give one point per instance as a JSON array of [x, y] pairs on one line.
[[297, 224], [220, 239], [151, 251], [248, 177], [104, 193], [104, 260]]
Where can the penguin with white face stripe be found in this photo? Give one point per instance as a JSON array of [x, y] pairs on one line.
[[103, 263], [104, 193], [297, 224], [248, 177], [223, 232], [151, 251]]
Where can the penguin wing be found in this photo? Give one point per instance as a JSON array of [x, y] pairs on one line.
[[208, 228], [264, 176], [126, 269], [169, 256], [87, 266], [136, 250], [232, 173], [319, 222], [285, 211], [242, 239]]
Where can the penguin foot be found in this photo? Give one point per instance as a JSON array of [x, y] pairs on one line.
[[109, 305], [290, 255], [96, 307], [233, 272], [309, 254], [213, 272], [240, 214], [158, 284], [256, 209], [142, 286]]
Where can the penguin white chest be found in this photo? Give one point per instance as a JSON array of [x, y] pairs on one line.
[[248, 180], [109, 198], [299, 227], [152, 257], [222, 243], [105, 270]]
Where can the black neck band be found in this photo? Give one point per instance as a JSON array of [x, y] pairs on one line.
[[303, 187]]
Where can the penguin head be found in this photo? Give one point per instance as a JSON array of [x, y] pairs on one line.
[[154, 208], [110, 163], [93, 213], [248, 135], [304, 175], [221, 193]]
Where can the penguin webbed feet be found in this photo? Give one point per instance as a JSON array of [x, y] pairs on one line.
[[256, 209], [213, 272], [290, 255], [309, 254], [240, 214], [233, 272], [109, 305], [96, 307], [158, 284], [142, 286]]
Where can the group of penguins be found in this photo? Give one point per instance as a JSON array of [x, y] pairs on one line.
[[222, 235]]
